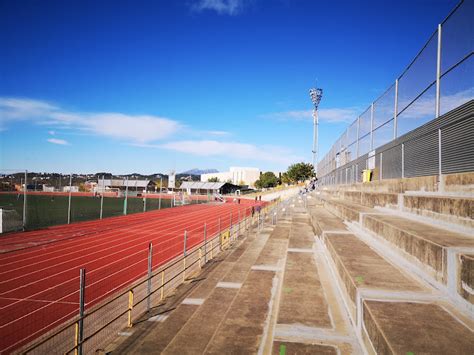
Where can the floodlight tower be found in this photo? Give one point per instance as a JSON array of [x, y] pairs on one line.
[[316, 95]]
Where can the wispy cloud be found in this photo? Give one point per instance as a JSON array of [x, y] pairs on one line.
[[329, 115], [222, 7], [234, 150], [217, 133], [57, 141], [133, 128]]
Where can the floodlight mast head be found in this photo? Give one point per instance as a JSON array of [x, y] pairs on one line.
[[316, 94]]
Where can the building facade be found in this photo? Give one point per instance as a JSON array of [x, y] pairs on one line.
[[236, 176]]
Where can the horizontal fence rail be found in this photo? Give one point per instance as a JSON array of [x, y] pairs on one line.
[[438, 80]]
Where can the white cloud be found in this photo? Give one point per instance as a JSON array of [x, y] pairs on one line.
[[135, 128], [52, 133], [329, 115], [222, 7], [234, 150], [217, 133], [57, 141]]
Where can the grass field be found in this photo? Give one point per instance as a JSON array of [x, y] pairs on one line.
[[45, 210]]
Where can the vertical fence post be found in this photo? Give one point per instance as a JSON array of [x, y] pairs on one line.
[[150, 256], [125, 201], [130, 308], [395, 112], [403, 160], [69, 200], [184, 254], [372, 126], [80, 323], [162, 285], [25, 187], [205, 243], [439, 154], [438, 74], [381, 166], [230, 226], [161, 189], [102, 198], [144, 201]]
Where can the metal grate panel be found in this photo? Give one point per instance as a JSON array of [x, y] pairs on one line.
[[457, 147], [392, 163], [421, 156]]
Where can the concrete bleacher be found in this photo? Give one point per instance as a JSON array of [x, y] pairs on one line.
[[348, 269]]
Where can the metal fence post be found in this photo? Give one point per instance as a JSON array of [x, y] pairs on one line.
[[395, 112], [439, 153], [80, 323], [24, 199], [144, 202], [381, 165], [125, 201], [69, 201], [161, 189], [205, 243], [102, 198], [403, 160], [130, 308], [438, 73], [184, 254], [150, 256], [358, 135], [372, 126]]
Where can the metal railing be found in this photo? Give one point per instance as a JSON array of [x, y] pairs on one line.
[[439, 79], [92, 329]]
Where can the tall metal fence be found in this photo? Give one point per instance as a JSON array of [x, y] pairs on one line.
[[26, 204], [406, 132]]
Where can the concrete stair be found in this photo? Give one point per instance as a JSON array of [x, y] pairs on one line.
[[342, 272]]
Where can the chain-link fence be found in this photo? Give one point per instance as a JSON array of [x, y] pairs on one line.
[[390, 136], [31, 200], [126, 276]]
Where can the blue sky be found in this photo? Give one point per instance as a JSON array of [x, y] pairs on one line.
[[149, 86]]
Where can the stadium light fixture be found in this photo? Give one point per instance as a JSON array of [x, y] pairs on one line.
[[316, 95]]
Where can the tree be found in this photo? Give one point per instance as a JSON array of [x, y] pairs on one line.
[[285, 179], [266, 180], [213, 179], [300, 172]]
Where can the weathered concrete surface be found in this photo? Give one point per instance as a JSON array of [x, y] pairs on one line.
[[415, 328], [346, 210], [425, 243], [288, 348], [194, 336], [359, 266], [242, 329], [302, 299], [458, 210], [325, 221], [275, 247], [462, 182], [466, 282], [371, 199]]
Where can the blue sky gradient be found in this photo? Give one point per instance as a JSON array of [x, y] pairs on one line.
[[149, 86]]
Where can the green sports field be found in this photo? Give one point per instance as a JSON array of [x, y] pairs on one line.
[[45, 210]]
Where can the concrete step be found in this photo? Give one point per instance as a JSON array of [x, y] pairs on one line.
[[413, 328], [346, 210], [427, 245], [362, 270], [466, 279], [449, 209]]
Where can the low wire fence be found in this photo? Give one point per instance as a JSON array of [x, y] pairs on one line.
[[92, 312], [438, 80]]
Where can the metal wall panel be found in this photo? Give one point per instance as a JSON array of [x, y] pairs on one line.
[[392, 163], [457, 147], [421, 156]]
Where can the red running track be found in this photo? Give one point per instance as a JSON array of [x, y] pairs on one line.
[[39, 285]]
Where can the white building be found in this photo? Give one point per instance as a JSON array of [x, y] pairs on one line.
[[236, 175]]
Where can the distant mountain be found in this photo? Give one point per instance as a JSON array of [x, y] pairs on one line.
[[197, 171]]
